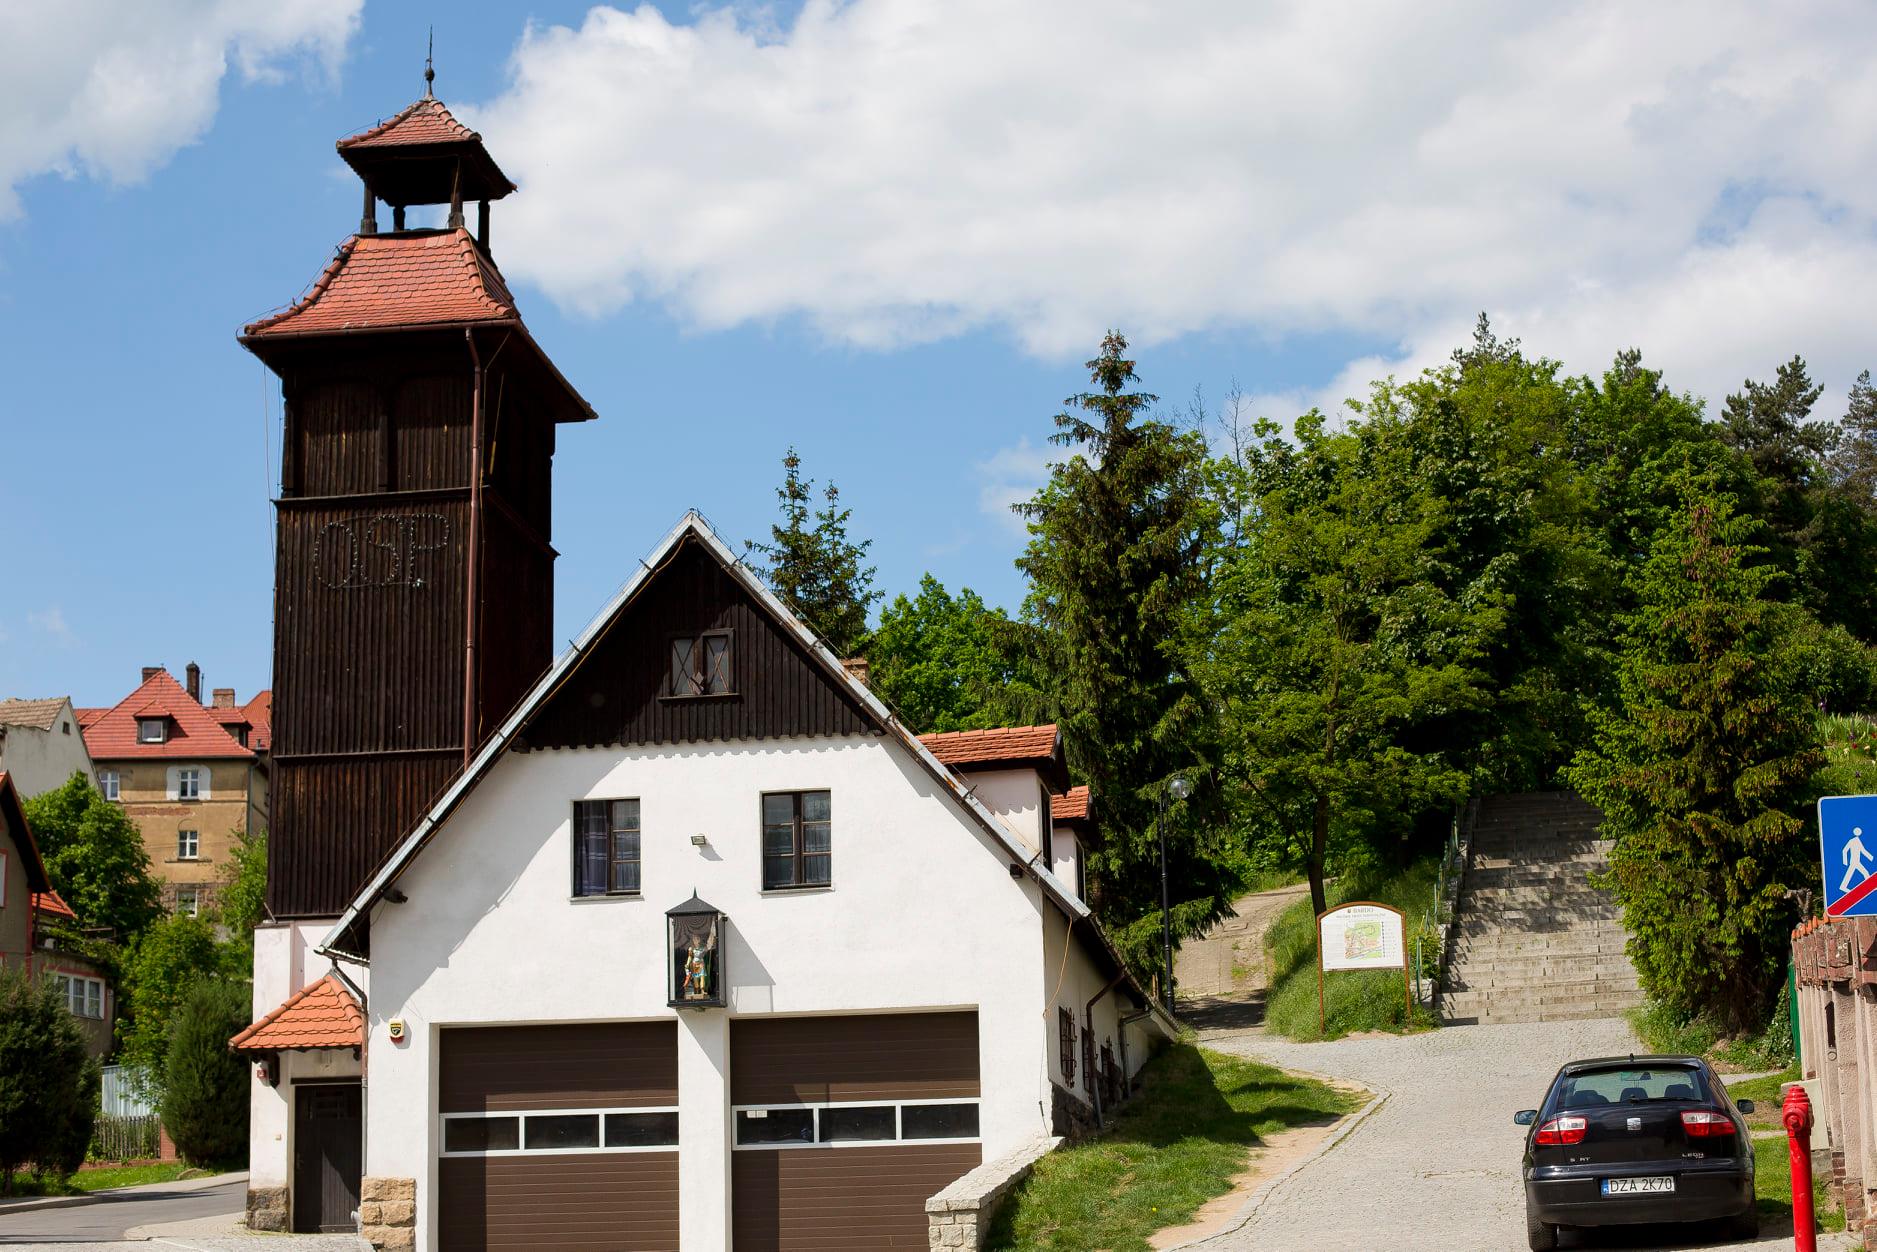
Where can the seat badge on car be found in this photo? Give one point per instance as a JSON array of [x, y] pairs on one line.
[[1635, 1123]]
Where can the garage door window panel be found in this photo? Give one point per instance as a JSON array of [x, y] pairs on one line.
[[938, 1121], [560, 1132], [768, 1127], [481, 1134], [858, 1123], [641, 1130], [835, 1125], [550, 1131]]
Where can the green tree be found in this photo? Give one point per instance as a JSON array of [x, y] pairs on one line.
[[937, 659], [1702, 767], [1118, 539], [169, 958], [242, 902], [814, 566], [48, 1085], [205, 1086], [95, 858], [1332, 643], [1853, 462]]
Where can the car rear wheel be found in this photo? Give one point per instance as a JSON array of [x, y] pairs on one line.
[[1542, 1235]]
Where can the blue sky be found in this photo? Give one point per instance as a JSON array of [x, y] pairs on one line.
[[907, 299]]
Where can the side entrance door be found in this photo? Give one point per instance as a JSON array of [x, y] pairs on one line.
[[328, 1129]]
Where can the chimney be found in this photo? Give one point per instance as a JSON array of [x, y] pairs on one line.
[[151, 671], [856, 667], [192, 675], [223, 697]]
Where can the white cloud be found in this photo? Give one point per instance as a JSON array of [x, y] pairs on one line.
[[52, 621], [110, 89], [1683, 176], [1010, 476]]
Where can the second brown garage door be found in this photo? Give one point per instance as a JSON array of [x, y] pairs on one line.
[[562, 1137], [844, 1126]]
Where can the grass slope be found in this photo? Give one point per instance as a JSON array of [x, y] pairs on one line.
[[1175, 1146], [1354, 1000], [102, 1178]]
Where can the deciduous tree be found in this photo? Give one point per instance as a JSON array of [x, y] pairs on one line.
[[937, 659], [95, 858]]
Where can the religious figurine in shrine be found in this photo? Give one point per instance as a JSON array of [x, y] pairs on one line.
[[696, 972]]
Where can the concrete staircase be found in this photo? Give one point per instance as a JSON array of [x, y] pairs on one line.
[[1533, 941]]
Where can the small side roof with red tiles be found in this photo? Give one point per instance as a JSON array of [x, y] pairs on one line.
[[1070, 806], [193, 732], [321, 1014], [256, 715], [1009, 747], [52, 904], [397, 282]]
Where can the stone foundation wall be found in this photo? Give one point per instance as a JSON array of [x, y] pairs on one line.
[[960, 1216], [267, 1208], [387, 1213]]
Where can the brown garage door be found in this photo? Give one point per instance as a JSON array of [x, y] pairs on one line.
[[558, 1137], [846, 1125]]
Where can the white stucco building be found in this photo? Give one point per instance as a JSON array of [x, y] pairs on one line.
[[880, 971], [42, 744]]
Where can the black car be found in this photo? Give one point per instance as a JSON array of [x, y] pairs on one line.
[[1631, 1139]]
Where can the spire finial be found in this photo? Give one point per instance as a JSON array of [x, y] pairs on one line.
[[430, 70]]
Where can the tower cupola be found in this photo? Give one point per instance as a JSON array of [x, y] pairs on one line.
[[423, 155]]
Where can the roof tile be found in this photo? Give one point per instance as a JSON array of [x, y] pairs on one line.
[[195, 734], [398, 281], [1070, 806], [53, 904], [1007, 745], [426, 121], [321, 1014]]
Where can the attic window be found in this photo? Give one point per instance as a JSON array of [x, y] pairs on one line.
[[152, 730], [700, 664]]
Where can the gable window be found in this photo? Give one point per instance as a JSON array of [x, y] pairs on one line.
[[240, 733], [188, 845], [107, 783], [606, 847], [152, 730], [83, 996], [1065, 1041], [798, 840], [700, 664], [189, 784]]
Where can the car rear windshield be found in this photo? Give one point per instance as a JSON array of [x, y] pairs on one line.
[[1628, 1085]]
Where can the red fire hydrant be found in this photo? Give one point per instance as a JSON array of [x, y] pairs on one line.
[[1796, 1112]]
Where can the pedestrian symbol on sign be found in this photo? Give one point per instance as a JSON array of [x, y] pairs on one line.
[[1854, 856], [1848, 860]]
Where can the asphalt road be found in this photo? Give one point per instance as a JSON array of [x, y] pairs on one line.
[[108, 1219], [1436, 1167]]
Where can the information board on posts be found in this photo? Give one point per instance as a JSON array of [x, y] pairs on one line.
[[1361, 936]]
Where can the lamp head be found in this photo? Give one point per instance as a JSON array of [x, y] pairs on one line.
[[1180, 788]]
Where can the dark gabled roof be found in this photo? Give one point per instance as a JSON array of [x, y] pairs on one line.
[[22, 833]]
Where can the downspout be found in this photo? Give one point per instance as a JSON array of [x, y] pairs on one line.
[[1121, 1031], [1088, 1032], [475, 536]]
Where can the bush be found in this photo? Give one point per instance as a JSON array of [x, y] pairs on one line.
[[48, 1085], [205, 1086]]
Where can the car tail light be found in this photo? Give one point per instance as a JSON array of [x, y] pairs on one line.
[[1703, 1124], [1562, 1130]]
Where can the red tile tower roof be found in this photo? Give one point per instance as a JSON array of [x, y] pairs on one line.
[[397, 282], [424, 122], [193, 731], [321, 1014]]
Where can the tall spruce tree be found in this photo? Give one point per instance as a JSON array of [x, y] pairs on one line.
[[812, 564], [1117, 537], [1853, 462], [1701, 768]]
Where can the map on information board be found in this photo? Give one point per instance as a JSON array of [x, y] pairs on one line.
[[1361, 936]]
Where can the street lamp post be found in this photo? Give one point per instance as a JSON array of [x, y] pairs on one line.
[[1179, 788]]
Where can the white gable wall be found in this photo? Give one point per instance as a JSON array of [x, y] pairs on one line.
[[922, 914], [1016, 797], [1064, 846]]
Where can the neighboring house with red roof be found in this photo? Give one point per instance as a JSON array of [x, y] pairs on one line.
[[191, 776], [42, 744], [29, 912]]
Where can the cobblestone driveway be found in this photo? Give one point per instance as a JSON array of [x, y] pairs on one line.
[[1435, 1168]]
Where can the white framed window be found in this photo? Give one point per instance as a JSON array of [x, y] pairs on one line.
[[107, 783], [189, 900], [188, 845], [854, 1123], [560, 1132], [188, 783], [83, 996], [152, 729]]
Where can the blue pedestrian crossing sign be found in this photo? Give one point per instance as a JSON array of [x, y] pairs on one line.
[[1847, 837]]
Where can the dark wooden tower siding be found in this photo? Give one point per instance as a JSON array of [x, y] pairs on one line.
[[620, 693], [415, 518]]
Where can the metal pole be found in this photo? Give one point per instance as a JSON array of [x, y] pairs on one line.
[[1166, 912]]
